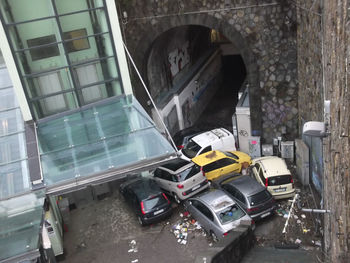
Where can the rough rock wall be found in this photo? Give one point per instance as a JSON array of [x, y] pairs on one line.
[[337, 145], [265, 33], [310, 74]]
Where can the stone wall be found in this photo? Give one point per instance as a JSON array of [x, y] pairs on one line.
[[264, 32], [337, 145], [323, 62], [310, 76]]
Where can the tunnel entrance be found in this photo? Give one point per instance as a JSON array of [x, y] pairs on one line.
[[219, 111], [194, 76]]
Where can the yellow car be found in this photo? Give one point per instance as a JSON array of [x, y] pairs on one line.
[[217, 163]]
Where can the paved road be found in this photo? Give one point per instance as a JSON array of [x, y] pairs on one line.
[[102, 231]]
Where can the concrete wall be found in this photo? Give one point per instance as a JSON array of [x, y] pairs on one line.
[[263, 32]]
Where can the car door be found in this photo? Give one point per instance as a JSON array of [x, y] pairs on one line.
[[212, 170], [205, 217], [162, 178], [256, 171], [229, 165]]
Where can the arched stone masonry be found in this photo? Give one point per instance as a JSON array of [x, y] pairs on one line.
[[263, 33]]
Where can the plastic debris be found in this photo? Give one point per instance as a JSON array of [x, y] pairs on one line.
[[186, 214], [134, 261], [133, 246], [297, 241], [295, 216], [305, 230], [303, 216], [298, 221]]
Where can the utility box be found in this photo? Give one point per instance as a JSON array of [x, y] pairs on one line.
[[302, 162], [267, 149], [287, 150], [243, 122], [254, 146]]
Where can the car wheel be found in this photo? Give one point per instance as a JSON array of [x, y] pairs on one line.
[[140, 220], [177, 199], [214, 237]]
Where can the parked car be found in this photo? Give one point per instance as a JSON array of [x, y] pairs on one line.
[[248, 193], [216, 163], [216, 139], [150, 204], [272, 172], [217, 213], [181, 179], [182, 137]]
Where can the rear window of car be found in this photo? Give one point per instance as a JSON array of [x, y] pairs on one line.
[[191, 149], [259, 198], [280, 180], [231, 155], [154, 201], [230, 214], [188, 173]]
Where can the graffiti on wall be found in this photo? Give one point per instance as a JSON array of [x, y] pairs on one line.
[[179, 58]]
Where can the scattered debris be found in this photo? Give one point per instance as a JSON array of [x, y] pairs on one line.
[[297, 241], [186, 224], [134, 261], [317, 243], [303, 216], [133, 246]]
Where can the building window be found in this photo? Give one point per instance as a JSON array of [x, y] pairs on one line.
[[43, 52], [78, 44]]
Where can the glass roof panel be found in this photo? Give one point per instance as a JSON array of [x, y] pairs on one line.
[[20, 220], [113, 135]]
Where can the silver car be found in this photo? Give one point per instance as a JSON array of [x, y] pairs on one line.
[[181, 179], [217, 213]]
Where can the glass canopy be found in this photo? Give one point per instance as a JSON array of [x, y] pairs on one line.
[[20, 220], [105, 138]]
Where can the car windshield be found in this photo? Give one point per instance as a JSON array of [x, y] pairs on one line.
[[188, 173], [259, 198], [191, 149], [154, 201], [280, 180], [230, 214], [231, 155]]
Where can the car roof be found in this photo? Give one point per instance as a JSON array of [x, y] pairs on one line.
[[273, 165], [247, 185], [206, 138], [144, 187], [176, 164], [216, 199], [208, 157]]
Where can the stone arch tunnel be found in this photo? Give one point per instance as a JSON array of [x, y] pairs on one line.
[[262, 33]]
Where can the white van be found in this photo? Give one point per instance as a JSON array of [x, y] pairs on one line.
[[217, 139]]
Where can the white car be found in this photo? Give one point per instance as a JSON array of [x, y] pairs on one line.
[[217, 139], [181, 179], [272, 172]]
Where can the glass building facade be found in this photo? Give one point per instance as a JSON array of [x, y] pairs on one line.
[[14, 176], [63, 51]]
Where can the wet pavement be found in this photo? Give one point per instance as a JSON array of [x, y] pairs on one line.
[[108, 231]]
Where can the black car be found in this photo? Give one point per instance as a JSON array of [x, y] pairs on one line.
[[145, 197], [249, 194]]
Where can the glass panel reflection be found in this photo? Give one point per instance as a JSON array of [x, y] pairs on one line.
[[112, 135], [67, 6], [20, 219]]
